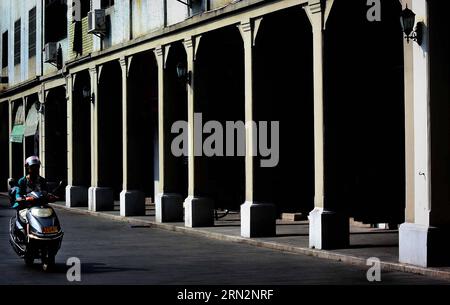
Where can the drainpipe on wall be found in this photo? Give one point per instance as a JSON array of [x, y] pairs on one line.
[[165, 12], [130, 17], [42, 36]]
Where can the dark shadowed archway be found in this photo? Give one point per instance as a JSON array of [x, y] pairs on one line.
[[4, 145], [56, 136], [18, 119], [219, 94], [175, 109], [283, 92], [110, 127], [31, 133], [81, 130], [364, 112], [143, 124]]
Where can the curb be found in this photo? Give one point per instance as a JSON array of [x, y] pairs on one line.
[[323, 254]]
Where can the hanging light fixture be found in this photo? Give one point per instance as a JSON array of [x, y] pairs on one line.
[[183, 74], [408, 21]]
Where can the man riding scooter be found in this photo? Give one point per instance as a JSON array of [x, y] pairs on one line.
[[35, 231]]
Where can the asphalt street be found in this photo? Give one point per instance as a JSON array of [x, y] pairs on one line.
[[117, 253]]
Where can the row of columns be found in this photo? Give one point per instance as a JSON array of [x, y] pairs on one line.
[[328, 229], [257, 218]]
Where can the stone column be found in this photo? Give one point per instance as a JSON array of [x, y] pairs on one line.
[[42, 98], [132, 202], [169, 206], [24, 151], [423, 237], [10, 127], [198, 211], [327, 229], [76, 196], [99, 198], [257, 219]]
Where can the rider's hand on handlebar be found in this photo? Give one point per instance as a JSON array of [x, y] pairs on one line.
[[52, 198]]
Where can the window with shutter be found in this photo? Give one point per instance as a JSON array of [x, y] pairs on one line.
[[17, 42], [32, 33], [5, 49], [56, 20]]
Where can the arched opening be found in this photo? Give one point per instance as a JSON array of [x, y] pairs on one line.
[[143, 124], [109, 131], [18, 117], [175, 109], [364, 113], [4, 145], [283, 92], [56, 136], [81, 130], [31, 131], [219, 96]]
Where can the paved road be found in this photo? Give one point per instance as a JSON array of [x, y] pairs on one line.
[[115, 253]]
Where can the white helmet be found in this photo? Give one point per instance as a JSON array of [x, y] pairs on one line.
[[32, 161]]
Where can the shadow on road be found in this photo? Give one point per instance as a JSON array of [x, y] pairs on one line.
[[371, 246], [292, 234], [103, 268], [86, 268]]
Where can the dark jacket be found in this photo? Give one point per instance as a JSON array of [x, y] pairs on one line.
[[26, 186]]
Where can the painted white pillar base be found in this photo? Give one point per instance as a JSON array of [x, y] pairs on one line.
[[101, 199], [198, 212], [258, 219], [169, 208], [76, 196], [423, 245], [132, 203], [328, 230]]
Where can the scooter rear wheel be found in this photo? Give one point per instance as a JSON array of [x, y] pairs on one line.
[[29, 261]]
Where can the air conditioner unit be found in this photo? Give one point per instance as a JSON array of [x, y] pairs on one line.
[[51, 52], [97, 21]]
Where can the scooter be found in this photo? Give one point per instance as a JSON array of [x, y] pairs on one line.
[[35, 231]]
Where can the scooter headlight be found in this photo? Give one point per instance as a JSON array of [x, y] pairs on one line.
[[46, 212]]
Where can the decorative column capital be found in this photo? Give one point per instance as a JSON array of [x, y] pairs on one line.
[[161, 53], [318, 12], [123, 61], [245, 26], [315, 6], [188, 43], [92, 70], [249, 29], [191, 45]]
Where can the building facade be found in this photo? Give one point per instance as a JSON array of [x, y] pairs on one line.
[[94, 89]]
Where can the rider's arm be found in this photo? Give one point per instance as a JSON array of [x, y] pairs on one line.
[[22, 191]]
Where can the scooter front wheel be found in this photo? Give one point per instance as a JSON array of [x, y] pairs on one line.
[[48, 262]]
